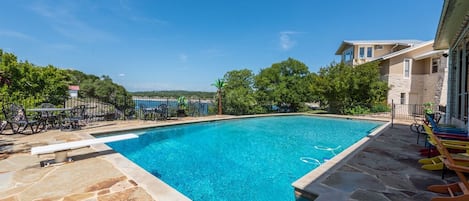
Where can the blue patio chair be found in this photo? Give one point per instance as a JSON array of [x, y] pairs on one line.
[[448, 130]]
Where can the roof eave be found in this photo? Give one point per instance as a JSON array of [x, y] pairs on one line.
[[452, 17], [430, 54], [394, 54], [341, 48]]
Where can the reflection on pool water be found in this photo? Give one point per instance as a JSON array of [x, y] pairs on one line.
[[244, 159]]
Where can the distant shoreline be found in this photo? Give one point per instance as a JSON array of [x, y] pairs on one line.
[[145, 98]]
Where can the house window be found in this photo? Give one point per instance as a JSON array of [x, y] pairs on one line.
[[407, 66], [435, 65], [378, 47], [402, 98], [362, 52], [348, 55], [369, 52]]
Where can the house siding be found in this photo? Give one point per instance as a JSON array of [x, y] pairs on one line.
[[421, 86], [386, 50], [396, 63]]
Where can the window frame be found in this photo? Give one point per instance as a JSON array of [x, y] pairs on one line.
[[365, 52], [360, 55], [437, 65], [348, 51], [369, 49], [404, 68]]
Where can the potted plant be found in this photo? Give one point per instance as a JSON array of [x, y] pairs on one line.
[[428, 109], [182, 104]]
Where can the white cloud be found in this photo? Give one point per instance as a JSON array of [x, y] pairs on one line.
[[15, 34], [182, 57], [126, 8], [64, 21], [121, 74], [286, 42]]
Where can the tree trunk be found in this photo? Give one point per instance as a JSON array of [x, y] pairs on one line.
[[219, 102]]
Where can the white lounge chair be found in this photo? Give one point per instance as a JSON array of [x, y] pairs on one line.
[[61, 150]]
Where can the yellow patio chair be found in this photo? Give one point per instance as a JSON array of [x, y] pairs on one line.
[[436, 163], [457, 191]]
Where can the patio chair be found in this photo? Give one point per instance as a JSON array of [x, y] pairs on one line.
[[458, 191], [3, 125], [147, 113], [162, 112], [49, 118], [436, 163], [72, 120], [18, 120], [449, 130]]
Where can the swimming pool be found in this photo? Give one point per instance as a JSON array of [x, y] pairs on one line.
[[245, 159]]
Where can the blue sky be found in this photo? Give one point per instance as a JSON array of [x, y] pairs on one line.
[[186, 45]]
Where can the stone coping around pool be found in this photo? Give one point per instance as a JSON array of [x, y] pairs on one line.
[[158, 189], [304, 185]]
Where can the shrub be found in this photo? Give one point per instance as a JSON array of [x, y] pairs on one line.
[[380, 108], [357, 110]]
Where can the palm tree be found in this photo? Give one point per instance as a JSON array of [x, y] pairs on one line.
[[219, 84]]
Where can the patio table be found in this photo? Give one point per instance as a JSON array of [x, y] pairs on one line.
[[48, 114], [149, 113]]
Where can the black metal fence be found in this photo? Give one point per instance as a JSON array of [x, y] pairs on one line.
[[193, 107], [124, 108], [409, 111]]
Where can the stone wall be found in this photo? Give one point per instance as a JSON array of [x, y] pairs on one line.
[[397, 85], [423, 87], [427, 88]]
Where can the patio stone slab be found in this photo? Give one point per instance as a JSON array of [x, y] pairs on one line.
[[396, 181], [387, 169], [351, 181], [30, 175], [80, 196], [368, 195], [135, 193], [6, 179], [12, 198], [79, 176]]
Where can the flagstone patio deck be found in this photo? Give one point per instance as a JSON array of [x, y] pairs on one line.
[[386, 169]]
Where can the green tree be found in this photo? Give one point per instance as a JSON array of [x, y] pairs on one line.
[[219, 84], [239, 97], [284, 84], [23, 82], [346, 89]]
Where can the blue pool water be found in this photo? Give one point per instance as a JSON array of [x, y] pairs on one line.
[[246, 159]]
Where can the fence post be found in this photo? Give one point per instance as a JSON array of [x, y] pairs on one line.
[[125, 105], [167, 108], [393, 108]]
